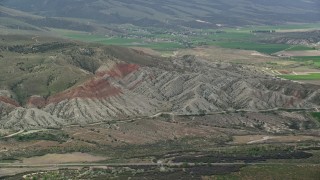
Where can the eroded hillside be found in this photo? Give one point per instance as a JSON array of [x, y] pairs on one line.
[[51, 84]]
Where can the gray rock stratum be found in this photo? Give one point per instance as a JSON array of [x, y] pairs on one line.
[[189, 86]]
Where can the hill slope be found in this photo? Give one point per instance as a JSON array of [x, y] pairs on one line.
[[19, 20], [49, 84], [194, 13]]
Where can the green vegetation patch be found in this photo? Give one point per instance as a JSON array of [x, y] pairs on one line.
[[316, 115], [167, 40], [60, 137], [85, 37], [263, 48], [311, 76], [275, 172], [165, 46], [232, 35], [309, 60], [280, 27], [127, 42], [300, 48], [103, 39]]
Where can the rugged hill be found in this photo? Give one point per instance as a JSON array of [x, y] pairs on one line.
[[309, 38], [194, 13], [49, 84]]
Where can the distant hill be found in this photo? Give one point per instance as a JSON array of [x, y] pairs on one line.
[[16, 19], [190, 13]]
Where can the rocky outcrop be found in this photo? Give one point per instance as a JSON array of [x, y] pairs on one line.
[[36, 102], [9, 101], [308, 38], [193, 86], [24, 118]]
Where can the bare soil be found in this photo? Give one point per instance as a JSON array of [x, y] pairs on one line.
[[250, 139], [63, 158], [4, 172], [299, 53]]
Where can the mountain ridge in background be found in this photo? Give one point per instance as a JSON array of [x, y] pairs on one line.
[[173, 13]]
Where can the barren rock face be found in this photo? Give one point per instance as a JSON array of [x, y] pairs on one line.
[[8, 101], [36, 102], [296, 38], [187, 86]]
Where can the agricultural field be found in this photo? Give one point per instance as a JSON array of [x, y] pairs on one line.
[[282, 28], [162, 45], [308, 60], [298, 68], [262, 48], [309, 76], [172, 40], [103, 40], [300, 48], [287, 171]]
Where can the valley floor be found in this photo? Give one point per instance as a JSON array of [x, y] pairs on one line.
[[191, 147]]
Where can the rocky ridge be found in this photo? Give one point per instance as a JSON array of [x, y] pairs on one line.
[[187, 85]]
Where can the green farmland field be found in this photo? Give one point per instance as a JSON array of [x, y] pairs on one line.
[[311, 76], [313, 60], [163, 46], [128, 42], [300, 48], [232, 36], [263, 48], [161, 40], [275, 172], [277, 27], [103, 39]]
